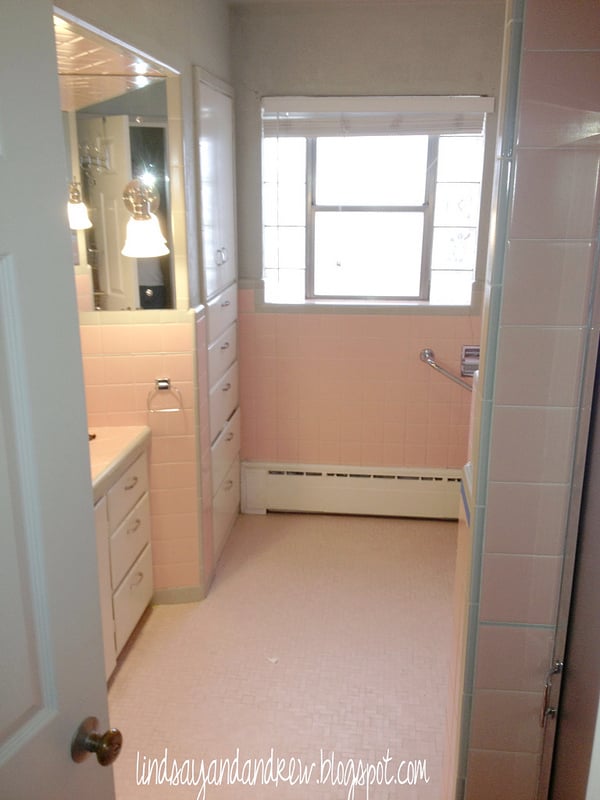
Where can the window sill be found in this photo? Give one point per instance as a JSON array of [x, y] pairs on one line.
[[408, 307]]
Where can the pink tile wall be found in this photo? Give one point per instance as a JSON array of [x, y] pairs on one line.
[[541, 339], [350, 389], [121, 364], [84, 291]]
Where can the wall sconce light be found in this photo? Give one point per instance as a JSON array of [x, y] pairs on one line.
[[144, 237], [93, 158], [76, 209]]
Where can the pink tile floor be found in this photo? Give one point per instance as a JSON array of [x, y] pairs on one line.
[[324, 642]]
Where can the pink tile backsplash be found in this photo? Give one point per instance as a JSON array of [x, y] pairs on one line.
[[350, 389], [121, 365], [84, 291]]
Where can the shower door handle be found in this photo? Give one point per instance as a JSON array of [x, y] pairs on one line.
[[547, 710]]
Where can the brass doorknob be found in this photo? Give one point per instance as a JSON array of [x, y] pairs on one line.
[[106, 746]]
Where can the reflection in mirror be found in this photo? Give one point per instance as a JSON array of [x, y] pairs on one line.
[[116, 128]]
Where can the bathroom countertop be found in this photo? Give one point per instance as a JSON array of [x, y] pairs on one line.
[[110, 448]]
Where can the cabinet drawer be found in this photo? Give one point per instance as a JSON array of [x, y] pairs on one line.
[[224, 399], [221, 354], [226, 506], [132, 597], [130, 538], [225, 450], [222, 311], [127, 491]]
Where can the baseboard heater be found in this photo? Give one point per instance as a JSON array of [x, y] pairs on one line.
[[432, 493]]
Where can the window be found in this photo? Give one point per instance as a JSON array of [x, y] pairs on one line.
[[367, 204]]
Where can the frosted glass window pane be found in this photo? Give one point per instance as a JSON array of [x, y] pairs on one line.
[[457, 204], [454, 248], [380, 170], [284, 248], [450, 288], [284, 204], [284, 160], [284, 286], [460, 158], [368, 254]]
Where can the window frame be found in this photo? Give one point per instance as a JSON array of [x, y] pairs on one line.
[[427, 208], [310, 118]]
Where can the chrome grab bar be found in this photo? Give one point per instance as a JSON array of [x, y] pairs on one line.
[[427, 355]]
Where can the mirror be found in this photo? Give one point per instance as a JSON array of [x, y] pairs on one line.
[[115, 111]]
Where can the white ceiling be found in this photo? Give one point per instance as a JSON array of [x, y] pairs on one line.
[[90, 70]]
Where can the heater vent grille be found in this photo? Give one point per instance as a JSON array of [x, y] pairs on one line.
[[373, 475], [350, 490]]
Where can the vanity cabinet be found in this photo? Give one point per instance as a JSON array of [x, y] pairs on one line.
[[122, 517]]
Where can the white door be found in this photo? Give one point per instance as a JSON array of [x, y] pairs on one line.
[[117, 274], [51, 662]]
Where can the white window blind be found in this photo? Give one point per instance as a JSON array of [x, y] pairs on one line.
[[374, 116]]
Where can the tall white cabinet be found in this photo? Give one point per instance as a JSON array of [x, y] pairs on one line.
[[216, 164], [214, 111]]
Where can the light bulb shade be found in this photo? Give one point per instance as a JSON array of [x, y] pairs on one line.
[[76, 209], [78, 216], [144, 238]]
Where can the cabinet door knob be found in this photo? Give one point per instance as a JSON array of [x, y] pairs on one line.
[[229, 437], [226, 388], [132, 483], [225, 346], [225, 303]]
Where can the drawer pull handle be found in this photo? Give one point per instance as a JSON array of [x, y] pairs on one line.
[[225, 346], [135, 526], [228, 485], [225, 303], [139, 577], [131, 484], [229, 437], [221, 256], [226, 388]]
